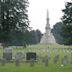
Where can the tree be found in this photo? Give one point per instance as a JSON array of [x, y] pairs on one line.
[[57, 32], [35, 36], [13, 17], [67, 24], [38, 35]]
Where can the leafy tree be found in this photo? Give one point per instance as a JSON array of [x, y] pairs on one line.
[[38, 35], [13, 18], [35, 36], [67, 24], [57, 32], [20, 38]]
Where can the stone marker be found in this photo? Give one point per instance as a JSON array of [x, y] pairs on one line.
[[7, 54], [17, 62], [56, 58], [18, 58], [31, 55], [64, 60], [19, 55]]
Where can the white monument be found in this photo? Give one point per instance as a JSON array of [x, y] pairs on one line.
[[48, 37]]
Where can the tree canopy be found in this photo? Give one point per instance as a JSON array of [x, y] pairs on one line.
[[57, 32], [13, 18], [66, 32]]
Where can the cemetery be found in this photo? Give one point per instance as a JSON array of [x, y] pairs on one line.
[[36, 58], [27, 49]]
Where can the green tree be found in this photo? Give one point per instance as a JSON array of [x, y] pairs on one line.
[[35, 36], [57, 32], [13, 17], [67, 24]]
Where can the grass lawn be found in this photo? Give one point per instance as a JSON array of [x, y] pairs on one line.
[[39, 66]]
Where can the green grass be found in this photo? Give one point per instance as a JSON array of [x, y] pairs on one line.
[[39, 66]]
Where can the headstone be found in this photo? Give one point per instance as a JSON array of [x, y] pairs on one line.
[[46, 60], [31, 56], [56, 58], [64, 60], [17, 62], [7, 54], [18, 58], [19, 55]]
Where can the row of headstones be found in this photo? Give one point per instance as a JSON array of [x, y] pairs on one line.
[[31, 57], [64, 60], [45, 60]]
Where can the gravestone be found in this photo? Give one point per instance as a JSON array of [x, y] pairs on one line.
[[46, 60], [19, 55], [64, 60], [31, 56], [7, 54], [17, 62], [18, 58], [56, 58]]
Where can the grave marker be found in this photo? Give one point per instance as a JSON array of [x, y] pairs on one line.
[[64, 60], [31, 55], [56, 58], [7, 54]]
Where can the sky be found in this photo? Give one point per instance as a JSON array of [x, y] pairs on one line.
[[38, 12]]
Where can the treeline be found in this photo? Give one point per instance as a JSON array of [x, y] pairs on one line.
[[21, 39]]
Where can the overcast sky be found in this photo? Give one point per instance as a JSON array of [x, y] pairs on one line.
[[38, 10]]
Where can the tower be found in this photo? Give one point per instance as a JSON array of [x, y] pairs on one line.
[[48, 37]]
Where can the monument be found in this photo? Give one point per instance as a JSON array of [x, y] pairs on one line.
[[48, 37]]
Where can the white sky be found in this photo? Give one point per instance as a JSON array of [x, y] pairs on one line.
[[38, 11]]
